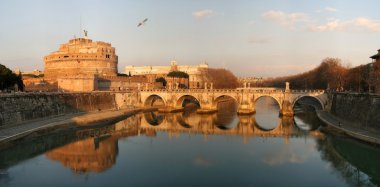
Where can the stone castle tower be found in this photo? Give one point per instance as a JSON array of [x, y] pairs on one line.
[[81, 57]]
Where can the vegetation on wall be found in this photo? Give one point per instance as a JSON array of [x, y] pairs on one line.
[[178, 74]]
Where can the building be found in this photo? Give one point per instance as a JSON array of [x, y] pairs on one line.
[[81, 56], [198, 75], [374, 75], [252, 81]]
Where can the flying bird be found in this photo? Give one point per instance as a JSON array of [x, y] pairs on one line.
[[143, 22]]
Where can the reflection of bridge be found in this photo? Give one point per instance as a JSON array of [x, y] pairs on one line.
[[245, 126], [245, 98], [95, 150]]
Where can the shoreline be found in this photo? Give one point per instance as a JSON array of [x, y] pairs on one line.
[[348, 129], [16, 132]]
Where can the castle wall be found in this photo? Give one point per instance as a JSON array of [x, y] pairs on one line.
[[61, 68], [81, 56], [18, 108]]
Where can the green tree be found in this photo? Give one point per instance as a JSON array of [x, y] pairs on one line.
[[180, 75], [8, 79], [162, 80]]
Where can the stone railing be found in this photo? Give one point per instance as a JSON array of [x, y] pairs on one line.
[[229, 91]]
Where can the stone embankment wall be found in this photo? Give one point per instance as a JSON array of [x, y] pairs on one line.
[[363, 109], [18, 108]]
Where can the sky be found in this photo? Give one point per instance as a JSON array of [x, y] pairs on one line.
[[262, 38]]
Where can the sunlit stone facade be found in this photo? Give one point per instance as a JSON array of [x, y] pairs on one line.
[[81, 56], [197, 74]]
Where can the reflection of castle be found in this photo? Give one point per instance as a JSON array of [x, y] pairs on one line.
[[87, 155], [98, 150]]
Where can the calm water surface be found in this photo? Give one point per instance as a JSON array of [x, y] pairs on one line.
[[187, 149]]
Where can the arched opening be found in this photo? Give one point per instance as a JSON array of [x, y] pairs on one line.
[[304, 108], [267, 110], [188, 101], [154, 118], [226, 116], [307, 103], [154, 101]]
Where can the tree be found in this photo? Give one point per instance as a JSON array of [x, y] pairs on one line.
[[162, 80], [330, 73], [222, 78], [8, 79], [180, 75]]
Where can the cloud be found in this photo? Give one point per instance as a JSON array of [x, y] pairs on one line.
[[330, 9], [259, 40], [303, 21], [356, 24], [200, 14], [327, 9], [288, 20]]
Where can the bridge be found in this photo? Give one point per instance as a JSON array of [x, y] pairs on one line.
[[208, 98]]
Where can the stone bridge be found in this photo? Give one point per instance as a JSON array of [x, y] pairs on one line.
[[208, 99]]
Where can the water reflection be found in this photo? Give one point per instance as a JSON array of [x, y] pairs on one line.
[[358, 164], [245, 125], [272, 148], [89, 155], [267, 110]]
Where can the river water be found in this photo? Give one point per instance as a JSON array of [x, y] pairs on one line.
[[187, 149]]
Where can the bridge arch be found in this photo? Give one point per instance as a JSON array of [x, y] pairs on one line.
[[187, 98], [154, 118], [317, 99], [220, 98], [270, 96], [151, 99]]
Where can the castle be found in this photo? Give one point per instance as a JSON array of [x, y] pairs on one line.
[[81, 56], [83, 65]]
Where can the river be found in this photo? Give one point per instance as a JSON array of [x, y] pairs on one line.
[[189, 149]]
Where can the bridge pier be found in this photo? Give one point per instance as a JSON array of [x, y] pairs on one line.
[[287, 107], [207, 110], [170, 110], [246, 110]]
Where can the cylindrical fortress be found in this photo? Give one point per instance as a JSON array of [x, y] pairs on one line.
[[81, 56]]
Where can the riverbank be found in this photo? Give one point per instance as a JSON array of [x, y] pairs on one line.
[[15, 132], [351, 129]]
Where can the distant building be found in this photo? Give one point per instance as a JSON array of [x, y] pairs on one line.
[[374, 76], [197, 74], [253, 81], [34, 73]]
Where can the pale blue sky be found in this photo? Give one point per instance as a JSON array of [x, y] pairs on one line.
[[249, 37]]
